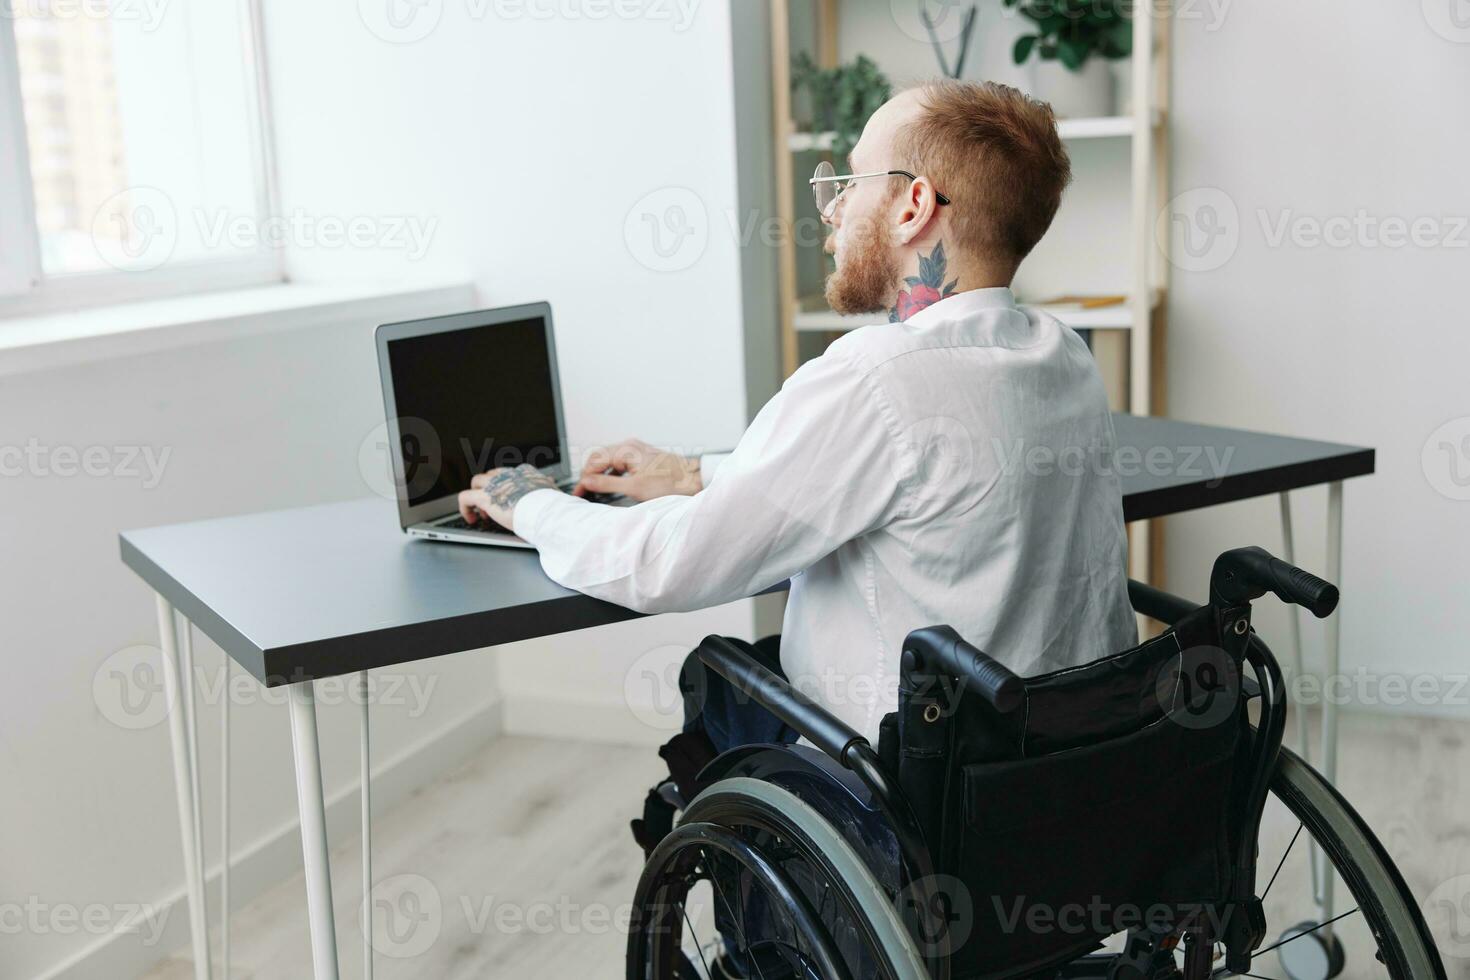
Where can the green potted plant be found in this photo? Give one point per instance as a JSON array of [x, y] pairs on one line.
[[842, 98], [1073, 42]]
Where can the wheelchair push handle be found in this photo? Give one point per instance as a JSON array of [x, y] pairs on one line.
[[942, 649], [1243, 574]]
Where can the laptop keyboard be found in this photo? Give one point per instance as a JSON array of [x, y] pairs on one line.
[[485, 526]]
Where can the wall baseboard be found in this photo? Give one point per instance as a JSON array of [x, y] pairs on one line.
[[269, 860], [581, 719]]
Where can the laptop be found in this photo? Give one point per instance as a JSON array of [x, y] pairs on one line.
[[465, 394]]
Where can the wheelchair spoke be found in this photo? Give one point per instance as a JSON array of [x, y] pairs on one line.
[[1352, 940], [698, 948], [1306, 932], [1282, 861], [739, 922]]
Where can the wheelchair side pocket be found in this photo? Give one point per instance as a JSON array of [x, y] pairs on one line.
[[1062, 850]]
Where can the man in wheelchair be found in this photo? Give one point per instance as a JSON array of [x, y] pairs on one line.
[[1011, 827], [951, 465], [920, 471]]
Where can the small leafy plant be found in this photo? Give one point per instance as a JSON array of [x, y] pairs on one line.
[[842, 97], [1071, 31]]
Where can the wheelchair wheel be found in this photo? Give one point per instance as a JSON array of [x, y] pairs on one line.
[[1375, 929], [791, 895]]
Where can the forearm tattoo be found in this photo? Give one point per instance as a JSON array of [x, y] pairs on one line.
[[507, 487]]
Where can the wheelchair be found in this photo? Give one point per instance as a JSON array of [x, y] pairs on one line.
[[1128, 819]]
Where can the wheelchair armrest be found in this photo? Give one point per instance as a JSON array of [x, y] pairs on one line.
[[1163, 606], [776, 695]]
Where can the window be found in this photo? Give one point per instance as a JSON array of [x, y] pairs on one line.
[[133, 153]]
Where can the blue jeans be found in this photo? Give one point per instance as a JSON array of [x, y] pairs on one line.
[[726, 715]]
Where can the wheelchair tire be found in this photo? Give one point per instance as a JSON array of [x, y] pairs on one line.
[[752, 807], [1405, 946]]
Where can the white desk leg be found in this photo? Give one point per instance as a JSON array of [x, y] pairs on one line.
[[1334, 632], [367, 828], [1331, 670], [224, 822], [184, 787], [186, 665], [312, 807], [1315, 864], [1294, 629]]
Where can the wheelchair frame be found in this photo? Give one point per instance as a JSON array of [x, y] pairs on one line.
[[1238, 577]]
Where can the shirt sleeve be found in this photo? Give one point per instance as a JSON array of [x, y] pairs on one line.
[[709, 463], [817, 468]]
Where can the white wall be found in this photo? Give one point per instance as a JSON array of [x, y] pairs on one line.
[[524, 145], [529, 142], [1316, 110], [532, 144], [249, 424]]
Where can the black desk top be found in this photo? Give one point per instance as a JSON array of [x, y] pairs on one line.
[[1203, 465], [336, 588]]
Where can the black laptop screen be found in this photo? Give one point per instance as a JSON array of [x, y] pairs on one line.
[[471, 400]]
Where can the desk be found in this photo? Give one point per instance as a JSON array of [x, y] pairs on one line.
[[267, 588]]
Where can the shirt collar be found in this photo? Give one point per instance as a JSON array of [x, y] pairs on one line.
[[964, 304]]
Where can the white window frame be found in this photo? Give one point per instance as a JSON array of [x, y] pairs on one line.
[[25, 290]]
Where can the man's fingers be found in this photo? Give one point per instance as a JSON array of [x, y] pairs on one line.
[[598, 460], [602, 483], [621, 457], [467, 508], [631, 456]]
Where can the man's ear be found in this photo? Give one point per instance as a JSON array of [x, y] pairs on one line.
[[918, 206]]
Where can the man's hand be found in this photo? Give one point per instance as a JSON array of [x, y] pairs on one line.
[[635, 469], [494, 495]]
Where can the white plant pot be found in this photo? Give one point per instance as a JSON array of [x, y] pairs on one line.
[[1076, 94]]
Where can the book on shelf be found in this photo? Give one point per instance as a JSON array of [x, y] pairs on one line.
[[1079, 303]]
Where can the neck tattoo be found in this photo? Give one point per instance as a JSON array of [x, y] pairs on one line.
[[925, 289]]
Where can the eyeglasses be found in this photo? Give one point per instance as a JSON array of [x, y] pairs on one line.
[[828, 185]]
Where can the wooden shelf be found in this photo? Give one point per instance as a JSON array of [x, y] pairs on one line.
[[813, 316], [1118, 317], [810, 142], [1098, 127]]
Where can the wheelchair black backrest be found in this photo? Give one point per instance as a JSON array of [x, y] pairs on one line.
[[1113, 796]]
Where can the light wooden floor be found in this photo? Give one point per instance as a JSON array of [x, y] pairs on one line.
[[527, 854]]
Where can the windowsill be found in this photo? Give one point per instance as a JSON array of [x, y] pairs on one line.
[[36, 343]]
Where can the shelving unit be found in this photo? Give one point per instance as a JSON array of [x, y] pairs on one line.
[[1128, 339], [1099, 127], [813, 317]]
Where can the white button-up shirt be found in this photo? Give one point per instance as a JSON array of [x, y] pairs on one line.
[[951, 469]]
